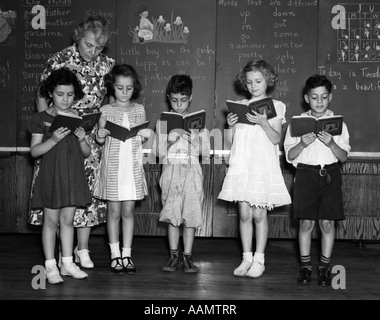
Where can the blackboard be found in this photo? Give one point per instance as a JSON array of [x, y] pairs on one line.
[[36, 45], [284, 33], [182, 41], [8, 76], [211, 41], [349, 54]]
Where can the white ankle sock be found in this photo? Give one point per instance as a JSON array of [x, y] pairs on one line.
[[67, 260], [50, 263], [115, 249], [248, 256], [126, 252], [259, 257]]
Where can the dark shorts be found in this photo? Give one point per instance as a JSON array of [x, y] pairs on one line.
[[318, 193]]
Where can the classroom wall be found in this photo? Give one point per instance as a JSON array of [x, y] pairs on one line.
[[210, 40]]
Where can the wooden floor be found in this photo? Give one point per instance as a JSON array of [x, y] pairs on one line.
[[216, 258]]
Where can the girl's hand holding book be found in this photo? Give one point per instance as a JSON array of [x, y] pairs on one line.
[[232, 119], [257, 118], [103, 133], [59, 134], [80, 133]]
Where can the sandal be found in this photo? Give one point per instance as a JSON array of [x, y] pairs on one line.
[[130, 267], [118, 267]]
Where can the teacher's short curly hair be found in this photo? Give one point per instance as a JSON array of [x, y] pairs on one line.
[[63, 77], [264, 67], [97, 25], [124, 70]]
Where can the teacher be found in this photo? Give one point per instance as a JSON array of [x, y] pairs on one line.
[[86, 60]]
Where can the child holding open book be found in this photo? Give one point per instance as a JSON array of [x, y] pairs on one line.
[[181, 180], [318, 182], [61, 186], [254, 179], [86, 59], [121, 179]]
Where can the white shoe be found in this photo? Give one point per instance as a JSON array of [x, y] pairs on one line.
[[83, 257], [241, 270], [53, 276], [72, 270], [256, 270]]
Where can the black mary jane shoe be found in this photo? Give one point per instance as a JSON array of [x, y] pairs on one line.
[[129, 268], [324, 277], [304, 276], [118, 267]]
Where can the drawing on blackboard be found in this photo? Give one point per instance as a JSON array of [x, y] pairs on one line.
[[159, 30], [360, 41], [7, 21]]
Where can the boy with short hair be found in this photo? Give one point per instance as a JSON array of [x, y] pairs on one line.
[[318, 181]]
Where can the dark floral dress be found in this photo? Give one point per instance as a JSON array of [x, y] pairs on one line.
[[91, 75]]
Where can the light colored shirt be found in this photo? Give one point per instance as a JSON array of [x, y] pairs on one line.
[[317, 153]]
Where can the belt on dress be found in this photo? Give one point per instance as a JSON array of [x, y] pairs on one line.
[[318, 168]]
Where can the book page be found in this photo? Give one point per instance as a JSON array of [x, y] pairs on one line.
[[194, 113]]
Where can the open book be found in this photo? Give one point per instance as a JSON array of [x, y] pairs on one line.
[[72, 121], [123, 133], [241, 109], [191, 121], [301, 125]]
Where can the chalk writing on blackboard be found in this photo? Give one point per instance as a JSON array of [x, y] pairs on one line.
[[282, 32], [39, 42], [159, 30]]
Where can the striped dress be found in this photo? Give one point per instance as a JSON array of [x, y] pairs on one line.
[[121, 176]]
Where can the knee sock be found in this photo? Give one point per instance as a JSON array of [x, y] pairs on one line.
[[248, 256], [260, 257], [324, 262], [306, 261]]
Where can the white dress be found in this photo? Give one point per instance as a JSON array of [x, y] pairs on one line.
[[121, 176], [254, 174]]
